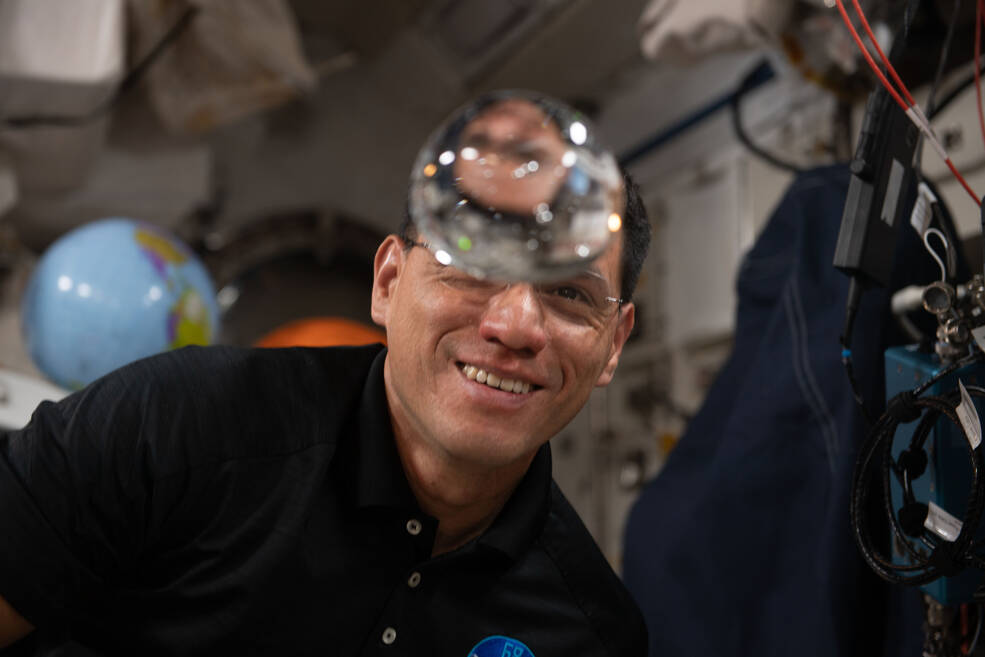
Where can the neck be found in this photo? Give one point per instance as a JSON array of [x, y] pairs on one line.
[[463, 497]]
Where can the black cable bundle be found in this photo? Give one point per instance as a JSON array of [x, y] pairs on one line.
[[941, 558], [851, 310], [749, 82]]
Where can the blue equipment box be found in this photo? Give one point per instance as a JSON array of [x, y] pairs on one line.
[[947, 479]]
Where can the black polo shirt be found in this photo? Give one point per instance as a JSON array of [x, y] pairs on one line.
[[222, 501]]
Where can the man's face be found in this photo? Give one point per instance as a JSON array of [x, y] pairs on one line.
[[440, 324]]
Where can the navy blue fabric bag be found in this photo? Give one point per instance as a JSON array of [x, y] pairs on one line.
[[742, 544]]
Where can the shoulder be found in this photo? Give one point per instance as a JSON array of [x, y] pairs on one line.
[[221, 402], [232, 373], [592, 583], [218, 367]]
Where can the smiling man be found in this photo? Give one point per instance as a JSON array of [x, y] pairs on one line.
[[480, 375], [342, 501]]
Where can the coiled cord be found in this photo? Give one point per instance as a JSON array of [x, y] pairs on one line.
[[938, 557]]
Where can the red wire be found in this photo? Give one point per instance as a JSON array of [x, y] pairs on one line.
[[979, 11], [889, 87], [964, 183], [868, 57], [882, 55]]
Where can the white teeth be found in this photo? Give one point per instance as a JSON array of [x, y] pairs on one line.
[[473, 373]]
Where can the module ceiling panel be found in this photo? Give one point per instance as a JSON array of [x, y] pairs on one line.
[[366, 28]]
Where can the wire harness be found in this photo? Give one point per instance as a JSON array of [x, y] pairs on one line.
[[930, 554], [899, 93]]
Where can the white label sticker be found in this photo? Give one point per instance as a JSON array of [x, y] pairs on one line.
[[921, 215], [920, 218], [979, 335], [893, 189], [968, 415], [942, 523]]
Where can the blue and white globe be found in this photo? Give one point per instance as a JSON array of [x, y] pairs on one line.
[[110, 292]]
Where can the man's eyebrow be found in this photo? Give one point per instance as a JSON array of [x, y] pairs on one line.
[[594, 273]]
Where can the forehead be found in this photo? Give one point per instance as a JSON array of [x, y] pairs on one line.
[[510, 119], [609, 264]]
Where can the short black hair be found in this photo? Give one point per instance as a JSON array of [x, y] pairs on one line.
[[635, 236]]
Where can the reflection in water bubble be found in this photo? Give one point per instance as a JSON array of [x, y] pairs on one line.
[[498, 173]]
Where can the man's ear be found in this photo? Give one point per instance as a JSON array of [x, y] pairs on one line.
[[626, 319], [387, 266]]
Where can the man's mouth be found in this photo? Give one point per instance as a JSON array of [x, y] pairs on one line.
[[479, 375]]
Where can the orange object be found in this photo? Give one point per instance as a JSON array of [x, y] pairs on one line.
[[321, 332]]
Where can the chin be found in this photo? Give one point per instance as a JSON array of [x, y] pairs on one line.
[[491, 449]]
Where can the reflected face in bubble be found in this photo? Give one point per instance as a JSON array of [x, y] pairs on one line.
[[516, 186], [511, 157]]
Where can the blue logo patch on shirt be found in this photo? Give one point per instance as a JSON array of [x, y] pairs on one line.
[[500, 646]]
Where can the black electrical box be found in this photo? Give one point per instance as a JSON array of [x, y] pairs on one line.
[[882, 172]]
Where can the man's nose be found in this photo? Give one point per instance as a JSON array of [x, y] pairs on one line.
[[515, 318]]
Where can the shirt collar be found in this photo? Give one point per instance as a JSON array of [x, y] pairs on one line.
[[380, 478], [379, 475], [523, 517]]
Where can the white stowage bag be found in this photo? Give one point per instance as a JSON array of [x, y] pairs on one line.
[[58, 58], [687, 30], [235, 58]]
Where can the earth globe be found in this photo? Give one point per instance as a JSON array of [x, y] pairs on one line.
[[111, 292]]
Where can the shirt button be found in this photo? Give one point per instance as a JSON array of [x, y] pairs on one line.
[[414, 580], [413, 526], [389, 635]]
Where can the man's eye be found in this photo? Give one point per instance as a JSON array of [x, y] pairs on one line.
[[478, 141], [458, 278], [569, 292], [527, 153]]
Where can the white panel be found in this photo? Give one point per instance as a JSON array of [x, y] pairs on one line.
[[959, 121], [703, 238], [161, 187], [967, 216], [20, 395], [59, 56]]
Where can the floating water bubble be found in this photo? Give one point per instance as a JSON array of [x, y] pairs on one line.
[[498, 171]]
